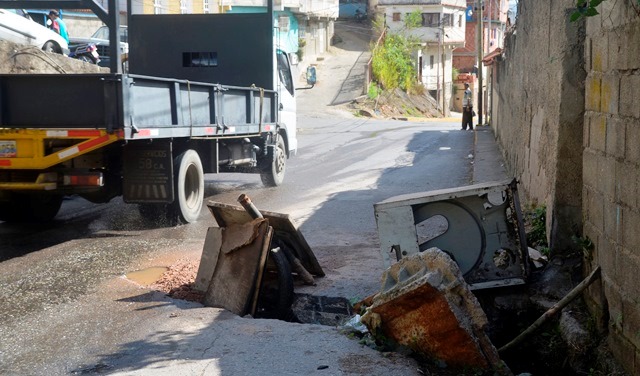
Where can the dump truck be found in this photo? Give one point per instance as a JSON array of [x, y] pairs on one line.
[[202, 93]]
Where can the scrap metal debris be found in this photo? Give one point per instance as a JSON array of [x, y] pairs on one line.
[[425, 304], [247, 262], [479, 226]]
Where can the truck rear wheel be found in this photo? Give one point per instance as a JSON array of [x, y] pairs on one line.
[[189, 186], [273, 176]]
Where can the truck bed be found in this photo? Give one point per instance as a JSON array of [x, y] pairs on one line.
[[141, 106]]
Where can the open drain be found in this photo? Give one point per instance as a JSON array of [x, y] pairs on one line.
[[322, 310]]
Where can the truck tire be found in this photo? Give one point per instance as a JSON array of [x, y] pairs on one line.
[[30, 208], [273, 176], [189, 186]]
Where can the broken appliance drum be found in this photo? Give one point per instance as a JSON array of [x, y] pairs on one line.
[[479, 226], [463, 237]]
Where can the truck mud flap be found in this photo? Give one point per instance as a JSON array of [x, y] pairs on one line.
[[148, 173]]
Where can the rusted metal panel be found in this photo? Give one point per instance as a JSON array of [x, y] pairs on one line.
[[425, 304]]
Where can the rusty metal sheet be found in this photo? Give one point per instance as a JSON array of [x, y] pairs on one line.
[[425, 304], [284, 228]]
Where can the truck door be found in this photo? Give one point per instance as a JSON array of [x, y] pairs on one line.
[[286, 94]]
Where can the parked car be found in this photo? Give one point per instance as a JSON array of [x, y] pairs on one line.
[[101, 39], [17, 26]]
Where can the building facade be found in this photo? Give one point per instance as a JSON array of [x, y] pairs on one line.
[[441, 30], [494, 25]]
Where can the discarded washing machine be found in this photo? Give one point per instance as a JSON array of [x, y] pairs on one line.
[[479, 226]]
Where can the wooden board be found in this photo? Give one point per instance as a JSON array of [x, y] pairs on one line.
[[237, 275]]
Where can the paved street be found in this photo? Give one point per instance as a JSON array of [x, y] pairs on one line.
[[67, 308]]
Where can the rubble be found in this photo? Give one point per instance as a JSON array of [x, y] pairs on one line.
[[426, 305], [22, 59]]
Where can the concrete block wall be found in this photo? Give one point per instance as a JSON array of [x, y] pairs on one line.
[[538, 113], [567, 105], [611, 170]]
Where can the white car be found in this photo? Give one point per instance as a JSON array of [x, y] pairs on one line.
[[17, 26], [101, 39]]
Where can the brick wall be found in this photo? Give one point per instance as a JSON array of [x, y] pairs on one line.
[[567, 115], [611, 178]]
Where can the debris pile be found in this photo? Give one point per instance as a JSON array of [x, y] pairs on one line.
[[425, 304], [21, 59], [178, 281]]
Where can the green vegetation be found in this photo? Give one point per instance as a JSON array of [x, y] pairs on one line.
[[374, 91], [301, 44], [586, 8], [537, 229], [586, 245], [392, 63]]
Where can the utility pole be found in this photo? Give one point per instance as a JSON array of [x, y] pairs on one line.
[[444, 87], [480, 48]]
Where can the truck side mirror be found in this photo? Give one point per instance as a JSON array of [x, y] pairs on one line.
[[311, 75]]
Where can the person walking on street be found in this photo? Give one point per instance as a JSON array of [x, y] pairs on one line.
[[467, 108], [58, 25]]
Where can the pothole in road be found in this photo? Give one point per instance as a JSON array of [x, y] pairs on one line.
[[178, 279], [147, 276]]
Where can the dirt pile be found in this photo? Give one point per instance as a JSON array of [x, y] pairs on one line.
[[397, 104], [178, 281], [22, 59]]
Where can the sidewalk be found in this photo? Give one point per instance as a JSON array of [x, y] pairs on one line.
[[488, 164]]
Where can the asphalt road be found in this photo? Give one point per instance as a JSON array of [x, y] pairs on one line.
[[67, 308]]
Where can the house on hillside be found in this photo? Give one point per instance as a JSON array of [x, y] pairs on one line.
[[440, 32], [306, 27]]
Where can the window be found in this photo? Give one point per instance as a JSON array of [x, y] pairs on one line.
[[447, 19], [205, 6], [430, 19], [183, 7], [157, 7], [431, 59], [460, 21], [396, 16], [199, 59], [284, 23]]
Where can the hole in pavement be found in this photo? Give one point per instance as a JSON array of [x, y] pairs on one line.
[[147, 276], [322, 310]]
